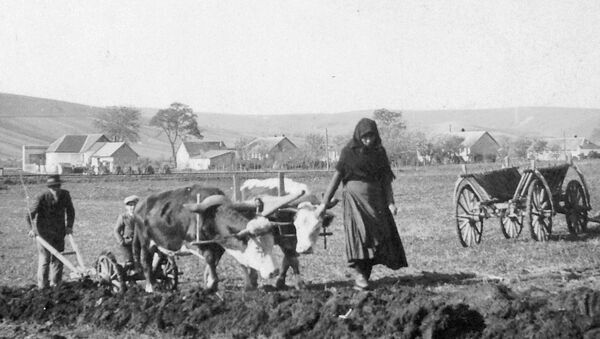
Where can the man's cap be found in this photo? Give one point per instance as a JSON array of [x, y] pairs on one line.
[[53, 180], [132, 199]]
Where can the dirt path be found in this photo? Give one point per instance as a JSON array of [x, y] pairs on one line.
[[431, 305]]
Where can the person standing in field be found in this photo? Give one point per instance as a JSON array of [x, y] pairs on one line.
[[51, 217], [124, 230], [368, 204]]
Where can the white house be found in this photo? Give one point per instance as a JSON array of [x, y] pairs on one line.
[[575, 147], [203, 155], [113, 154], [80, 150], [477, 146], [278, 149], [71, 150]]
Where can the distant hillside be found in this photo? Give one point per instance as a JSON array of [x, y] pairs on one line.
[[35, 121]]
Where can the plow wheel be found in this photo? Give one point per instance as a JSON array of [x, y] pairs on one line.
[[511, 225], [539, 211], [469, 222], [167, 273], [110, 273], [576, 211]]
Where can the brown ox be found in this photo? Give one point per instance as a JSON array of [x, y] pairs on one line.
[[168, 219]]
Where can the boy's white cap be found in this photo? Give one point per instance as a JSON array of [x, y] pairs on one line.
[[131, 199]]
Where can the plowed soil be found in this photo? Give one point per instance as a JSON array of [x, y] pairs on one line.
[[391, 309]]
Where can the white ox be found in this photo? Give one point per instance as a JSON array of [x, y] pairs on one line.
[[301, 213]]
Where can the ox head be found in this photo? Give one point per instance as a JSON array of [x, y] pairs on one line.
[[308, 225], [251, 244]]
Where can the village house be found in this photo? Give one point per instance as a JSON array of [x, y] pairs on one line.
[[477, 146], [573, 147], [204, 155], [271, 151], [79, 150]]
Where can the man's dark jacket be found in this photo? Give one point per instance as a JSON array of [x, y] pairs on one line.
[[53, 217]]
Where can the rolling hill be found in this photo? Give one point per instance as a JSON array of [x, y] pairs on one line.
[[36, 121]]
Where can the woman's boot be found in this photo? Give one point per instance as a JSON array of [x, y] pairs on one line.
[[361, 279]]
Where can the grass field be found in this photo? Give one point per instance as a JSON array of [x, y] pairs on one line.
[[425, 222]]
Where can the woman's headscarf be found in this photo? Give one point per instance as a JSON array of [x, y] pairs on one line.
[[359, 162]]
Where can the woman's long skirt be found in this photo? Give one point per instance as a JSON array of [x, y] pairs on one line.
[[371, 232]]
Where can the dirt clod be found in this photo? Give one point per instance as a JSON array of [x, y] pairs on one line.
[[484, 310]]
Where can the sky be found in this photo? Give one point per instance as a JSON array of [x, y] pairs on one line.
[[282, 57]]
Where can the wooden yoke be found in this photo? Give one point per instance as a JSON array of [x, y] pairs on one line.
[[197, 220]]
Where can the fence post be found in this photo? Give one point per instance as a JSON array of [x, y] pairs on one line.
[[281, 187], [236, 189], [532, 165], [464, 168]]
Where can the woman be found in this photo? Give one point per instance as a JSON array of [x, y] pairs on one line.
[[368, 204]]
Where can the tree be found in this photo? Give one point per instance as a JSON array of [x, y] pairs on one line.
[[391, 127], [538, 146], [240, 145], [119, 123], [315, 146], [519, 147], [177, 121], [387, 119]]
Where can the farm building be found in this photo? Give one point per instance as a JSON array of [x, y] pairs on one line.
[[113, 154], [79, 150], [203, 155], [575, 147], [34, 158], [273, 151], [477, 146]]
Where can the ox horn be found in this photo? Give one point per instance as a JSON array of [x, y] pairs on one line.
[[210, 201], [284, 201], [252, 231], [332, 203]]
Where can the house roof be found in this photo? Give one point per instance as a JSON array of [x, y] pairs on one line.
[[266, 143], [471, 137], [212, 154], [198, 147], [75, 143], [107, 149], [572, 144]]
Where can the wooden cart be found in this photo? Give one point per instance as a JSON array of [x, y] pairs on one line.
[[534, 195]]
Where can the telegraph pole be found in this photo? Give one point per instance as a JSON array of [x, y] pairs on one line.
[[327, 147]]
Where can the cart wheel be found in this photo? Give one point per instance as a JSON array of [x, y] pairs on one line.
[[469, 222], [167, 273], [539, 211], [511, 225], [576, 211], [110, 272]]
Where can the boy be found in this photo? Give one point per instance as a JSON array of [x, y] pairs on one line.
[[124, 230]]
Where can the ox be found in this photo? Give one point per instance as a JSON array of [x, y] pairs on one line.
[[168, 221], [298, 224]]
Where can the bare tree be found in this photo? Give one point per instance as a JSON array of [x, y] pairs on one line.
[[119, 123], [391, 128], [177, 121], [315, 146]]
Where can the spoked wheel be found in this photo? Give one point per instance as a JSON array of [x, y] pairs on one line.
[[576, 210], [511, 224], [167, 273], [110, 273], [539, 211], [469, 222]]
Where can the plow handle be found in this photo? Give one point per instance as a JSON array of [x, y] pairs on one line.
[[56, 253], [76, 249]]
